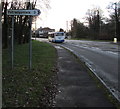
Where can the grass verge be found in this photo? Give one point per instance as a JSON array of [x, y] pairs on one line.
[[22, 87]]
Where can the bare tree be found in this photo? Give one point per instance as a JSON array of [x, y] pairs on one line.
[[115, 16], [94, 19], [4, 24], [21, 22]]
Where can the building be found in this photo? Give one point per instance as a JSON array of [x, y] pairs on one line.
[[43, 32]]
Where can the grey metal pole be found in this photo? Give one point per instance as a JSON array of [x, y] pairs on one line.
[[30, 44], [35, 27], [12, 43]]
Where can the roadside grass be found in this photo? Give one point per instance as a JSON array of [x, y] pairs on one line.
[[22, 87]]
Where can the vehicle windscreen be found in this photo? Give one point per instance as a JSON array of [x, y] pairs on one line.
[[59, 34]]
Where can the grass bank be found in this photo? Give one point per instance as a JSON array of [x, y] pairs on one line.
[[25, 88]]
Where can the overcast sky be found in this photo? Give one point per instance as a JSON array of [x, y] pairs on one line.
[[65, 10]]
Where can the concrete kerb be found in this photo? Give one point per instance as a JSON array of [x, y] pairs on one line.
[[112, 96]]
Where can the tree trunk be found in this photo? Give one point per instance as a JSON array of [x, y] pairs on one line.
[[4, 28]]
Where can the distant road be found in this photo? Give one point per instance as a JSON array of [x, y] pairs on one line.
[[100, 57]]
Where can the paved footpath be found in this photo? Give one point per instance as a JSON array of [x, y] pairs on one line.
[[76, 87]]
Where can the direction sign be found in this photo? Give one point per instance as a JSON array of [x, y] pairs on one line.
[[34, 12]]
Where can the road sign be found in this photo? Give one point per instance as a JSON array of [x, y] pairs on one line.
[[31, 13], [34, 12]]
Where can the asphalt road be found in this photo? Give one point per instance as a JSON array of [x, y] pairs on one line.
[[76, 88], [100, 57]]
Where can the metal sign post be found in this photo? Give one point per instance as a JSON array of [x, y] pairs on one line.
[[30, 45], [12, 43], [30, 13]]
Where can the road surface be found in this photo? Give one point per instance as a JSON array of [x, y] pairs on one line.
[[100, 57]]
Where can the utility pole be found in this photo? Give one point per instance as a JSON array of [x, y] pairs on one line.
[[66, 26]]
